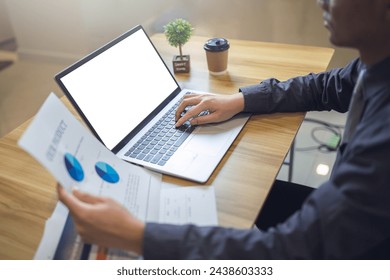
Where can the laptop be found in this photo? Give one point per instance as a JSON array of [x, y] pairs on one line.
[[127, 96]]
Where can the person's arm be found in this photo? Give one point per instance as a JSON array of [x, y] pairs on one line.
[[331, 90]]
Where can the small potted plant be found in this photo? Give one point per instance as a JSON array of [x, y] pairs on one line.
[[178, 32]]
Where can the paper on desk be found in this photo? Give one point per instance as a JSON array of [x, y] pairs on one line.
[[183, 205], [76, 158]]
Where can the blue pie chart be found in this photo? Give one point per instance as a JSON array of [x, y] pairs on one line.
[[74, 167], [107, 172]]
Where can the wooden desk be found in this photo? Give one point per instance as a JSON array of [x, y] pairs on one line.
[[243, 178]]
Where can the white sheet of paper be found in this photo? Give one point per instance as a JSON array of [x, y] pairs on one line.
[[183, 205]]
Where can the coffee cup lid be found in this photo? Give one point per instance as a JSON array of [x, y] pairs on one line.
[[216, 45]]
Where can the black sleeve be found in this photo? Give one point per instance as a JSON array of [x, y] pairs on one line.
[[331, 90]]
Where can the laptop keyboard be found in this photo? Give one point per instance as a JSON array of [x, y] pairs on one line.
[[162, 140]]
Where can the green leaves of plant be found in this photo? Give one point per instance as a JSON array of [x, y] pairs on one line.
[[178, 32]]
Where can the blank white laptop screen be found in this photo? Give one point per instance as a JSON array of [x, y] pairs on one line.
[[120, 87]]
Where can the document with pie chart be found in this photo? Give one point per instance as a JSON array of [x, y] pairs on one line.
[[57, 140], [77, 159]]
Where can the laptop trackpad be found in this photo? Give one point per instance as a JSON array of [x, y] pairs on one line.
[[207, 140]]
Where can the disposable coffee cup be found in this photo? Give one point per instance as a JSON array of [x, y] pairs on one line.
[[217, 50]]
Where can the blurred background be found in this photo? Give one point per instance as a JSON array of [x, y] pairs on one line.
[[38, 38]]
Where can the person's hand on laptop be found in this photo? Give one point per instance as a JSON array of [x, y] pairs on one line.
[[103, 221], [220, 108]]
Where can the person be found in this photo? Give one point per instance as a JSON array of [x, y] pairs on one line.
[[347, 217]]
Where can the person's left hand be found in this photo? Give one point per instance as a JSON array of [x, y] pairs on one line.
[[103, 221]]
